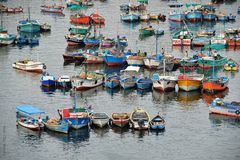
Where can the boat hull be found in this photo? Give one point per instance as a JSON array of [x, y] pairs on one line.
[[100, 122], [189, 85], [33, 127], [211, 86], [164, 85], [61, 128]]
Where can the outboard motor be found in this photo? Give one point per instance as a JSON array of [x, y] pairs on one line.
[[141, 123]]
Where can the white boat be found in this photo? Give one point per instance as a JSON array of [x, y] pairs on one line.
[[151, 62], [100, 119], [219, 39], [6, 39], [135, 60], [145, 17], [29, 66], [64, 81], [139, 119], [129, 76]]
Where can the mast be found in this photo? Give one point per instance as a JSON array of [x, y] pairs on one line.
[[164, 66], [156, 44], [29, 13], [1, 20], [74, 103]]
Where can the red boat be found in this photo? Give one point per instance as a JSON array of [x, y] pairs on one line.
[[97, 19], [52, 9], [80, 18], [14, 10], [231, 42], [120, 119], [213, 85]]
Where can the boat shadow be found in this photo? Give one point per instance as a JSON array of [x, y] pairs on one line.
[[120, 130], [159, 97], [48, 90], [221, 120], [100, 132], [208, 97], [187, 98]]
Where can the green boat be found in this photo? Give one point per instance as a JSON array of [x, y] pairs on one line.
[[148, 31], [79, 29], [209, 62]]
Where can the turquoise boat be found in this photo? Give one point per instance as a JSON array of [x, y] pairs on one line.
[[79, 29], [57, 125], [214, 61]]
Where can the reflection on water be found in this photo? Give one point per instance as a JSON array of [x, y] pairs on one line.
[[120, 130], [112, 91], [30, 35], [209, 72], [100, 132], [88, 93], [208, 97], [143, 92], [48, 90], [188, 97], [220, 120], [55, 15], [140, 133], [158, 132], [163, 96]]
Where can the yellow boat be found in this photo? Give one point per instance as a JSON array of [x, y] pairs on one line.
[[139, 119], [231, 65], [189, 82]]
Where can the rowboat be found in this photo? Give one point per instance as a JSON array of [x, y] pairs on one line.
[[27, 117], [164, 83], [48, 80], [114, 58], [148, 31], [129, 76], [52, 9], [97, 19], [190, 82], [72, 57], [80, 18], [15, 10], [157, 123], [92, 57], [139, 119], [153, 62], [135, 60], [112, 81], [57, 125], [218, 106], [120, 119], [144, 83], [107, 43], [29, 66], [74, 40], [231, 65], [215, 84], [100, 119]]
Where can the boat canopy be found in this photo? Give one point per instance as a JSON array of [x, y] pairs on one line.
[[132, 68], [29, 110]]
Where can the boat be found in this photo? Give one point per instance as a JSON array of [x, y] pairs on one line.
[[48, 80], [231, 65], [208, 32], [122, 41], [15, 10], [76, 117], [148, 31], [144, 17], [218, 106], [82, 29], [22, 40], [215, 84], [87, 80], [52, 9], [28, 25], [176, 16], [64, 81], [45, 27], [112, 81], [57, 125], [120, 119], [222, 17], [208, 62], [74, 40], [159, 31], [97, 19], [107, 43], [157, 123], [29, 66], [139, 119], [200, 41], [188, 62], [153, 62], [114, 57], [80, 19], [220, 39], [129, 76], [92, 41], [136, 59], [182, 38], [130, 17], [175, 4], [194, 15], [144, 83], [100, 119], [209, 16], [92, 57], [73, 57], [190, 82], [27, 117], [153, 16], [5, 38]]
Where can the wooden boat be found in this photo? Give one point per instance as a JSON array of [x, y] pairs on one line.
[[176, 16], [81, 19], [218, 106], [92, 57], [100, 119], [144, 17], [45, 27], [72, 57], [182, 38], [64, 81], [15, 10], [135, 60], [164, 83], [5, 38], [129, 76], [139, 119], [215, 84], [97, 19], [189, 62], [107, 43], [157, 123], [120, 119], [57, 125], [113, 57], [48, 80], [231, 65], [209, 62], [144, 83], [189, 82], [52, 9], [27, 117], [148, 31], [29, 66], [74, 40], [83, 30], [112, 81], [87, 80]]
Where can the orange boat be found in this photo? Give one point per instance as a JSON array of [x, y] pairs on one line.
[[189, 82], [215, 84], [80, 19], [231, 42], [97, 19]]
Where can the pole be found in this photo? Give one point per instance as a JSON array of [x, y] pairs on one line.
[[74, 104], [164, 66], [29, 13]]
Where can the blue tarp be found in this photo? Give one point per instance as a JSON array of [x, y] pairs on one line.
[[29, 110]]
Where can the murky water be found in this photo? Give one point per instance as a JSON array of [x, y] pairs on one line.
[[191, 133]]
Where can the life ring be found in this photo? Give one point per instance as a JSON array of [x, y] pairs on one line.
[[237, 112]]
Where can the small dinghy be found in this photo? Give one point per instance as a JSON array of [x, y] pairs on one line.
[[100, 119], [157, 123]]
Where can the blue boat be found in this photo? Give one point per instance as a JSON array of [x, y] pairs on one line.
[[122, 41], [112, 81], [176, 16], [144, 83], [209, 16], [48, 80], [57, 125], [130, 17], [129, 76], [157, 123], [91, 41], [114, 58], [194, 15], [231, 17]]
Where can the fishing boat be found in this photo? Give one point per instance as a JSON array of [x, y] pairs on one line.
[[48, 80], [74, 40], [130, 17], [100, 119], [153, 16], [64, 81], [218, 106], [200, 41], [188, 62], [107, 43], [15, 10], [215, 84], [176, 16], [72, 57], [28, 25], [231, 65], [91, 41], [122, 41], [52, 9], [157, 123], [80, 19], [57, 125], [45, 27], [153, 62], [87, 80], [144, 83], [92, 57], [5, 38], [144, 17], [82, 29], [208, 32], [194, 15], [148, 31], [29, 66], [222, 17], [139, 119], [76, 117], [220, 39], [190, 82], [114, 58], [136, 60], [159, 31], [120, 119], [182, 38], [97, 19], [129, 76], [112, 81], [27, 117], [209, 61]]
